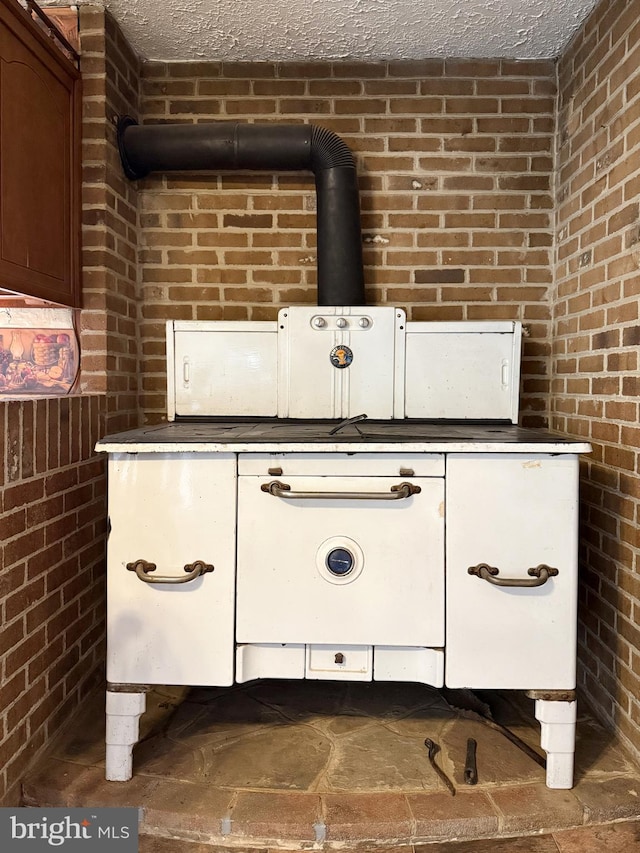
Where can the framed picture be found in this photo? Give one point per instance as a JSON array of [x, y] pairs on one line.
[[37, 361]]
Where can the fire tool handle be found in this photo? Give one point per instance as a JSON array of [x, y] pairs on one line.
[[539, 575], [432, 750], [470, 765], [194, 570], [395, 493]]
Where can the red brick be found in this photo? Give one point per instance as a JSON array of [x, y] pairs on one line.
[[22, 546]]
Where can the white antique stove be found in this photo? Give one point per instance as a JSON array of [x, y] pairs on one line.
[[272, 529]]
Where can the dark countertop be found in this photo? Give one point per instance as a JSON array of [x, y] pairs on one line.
[[366, 435]]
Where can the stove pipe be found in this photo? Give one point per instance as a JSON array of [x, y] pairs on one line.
[[268, 147]]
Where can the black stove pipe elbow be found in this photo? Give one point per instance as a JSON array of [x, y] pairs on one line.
[[268, 147]]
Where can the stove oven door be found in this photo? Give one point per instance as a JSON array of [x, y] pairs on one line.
[[512, 571], [334, 558], [171, 568]]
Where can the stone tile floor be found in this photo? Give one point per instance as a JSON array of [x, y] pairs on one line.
[[327, 765], [613, 838]]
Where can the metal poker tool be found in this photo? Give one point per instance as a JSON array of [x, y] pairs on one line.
[[433, 749]]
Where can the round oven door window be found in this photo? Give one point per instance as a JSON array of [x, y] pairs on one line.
[[339, 560]]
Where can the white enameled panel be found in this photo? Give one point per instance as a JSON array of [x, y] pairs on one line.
[[171, 509], [269, 660], [351, 464], [310, 386], [511, 511], [222, 368], [339, 663], [463, 370], [397, 663], [393, 596]]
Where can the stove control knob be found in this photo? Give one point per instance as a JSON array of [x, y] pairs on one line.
[[364, 322], [341, 323], [319, 322], [340, 562]]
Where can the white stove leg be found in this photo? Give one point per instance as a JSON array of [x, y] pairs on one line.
[[123, 715], [558, 739]]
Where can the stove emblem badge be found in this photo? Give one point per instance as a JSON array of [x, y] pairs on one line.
[[341, 356]]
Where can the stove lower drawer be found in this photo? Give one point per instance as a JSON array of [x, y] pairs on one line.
[[349, 663], [335, 560]]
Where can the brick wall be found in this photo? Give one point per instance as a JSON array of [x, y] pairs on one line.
[[596, 333], [52, 484], [52, 516], [454, 160], [455, 165], [109, 333]]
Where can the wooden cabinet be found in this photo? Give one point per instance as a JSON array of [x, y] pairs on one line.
[[39, 163]]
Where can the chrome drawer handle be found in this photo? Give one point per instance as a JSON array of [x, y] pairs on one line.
[[194, 570], [539, 575], [395, 493]]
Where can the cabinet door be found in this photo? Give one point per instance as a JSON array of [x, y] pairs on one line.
[[171, 509], [39, 164], [512, 512], [466, 371]]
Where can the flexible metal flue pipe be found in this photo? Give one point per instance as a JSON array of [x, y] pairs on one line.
[[268, 147]]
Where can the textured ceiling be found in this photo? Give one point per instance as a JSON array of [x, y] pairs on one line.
[[285, 30]]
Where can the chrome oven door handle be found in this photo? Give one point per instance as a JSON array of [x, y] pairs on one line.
[[395, 493], [539, 575], [142, 568]]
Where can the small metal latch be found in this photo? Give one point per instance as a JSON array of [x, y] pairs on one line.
[[274, 472], [339, 658], [407, 472]]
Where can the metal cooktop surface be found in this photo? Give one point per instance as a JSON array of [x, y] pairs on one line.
[[280, 430]]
